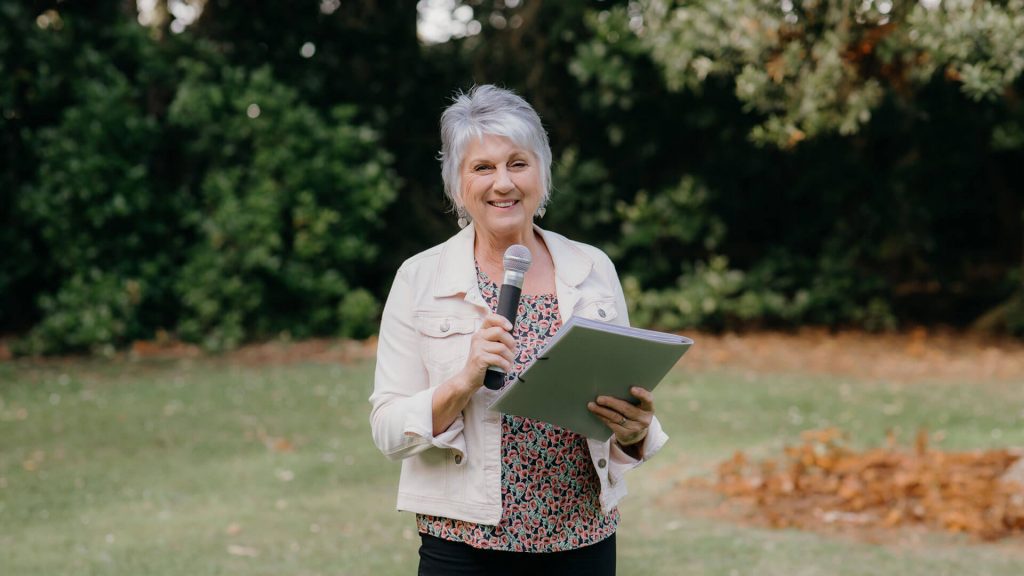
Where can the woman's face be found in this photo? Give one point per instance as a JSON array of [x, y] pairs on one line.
[[501, 186]]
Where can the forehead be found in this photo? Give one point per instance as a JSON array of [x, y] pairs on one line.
[[490, 146]]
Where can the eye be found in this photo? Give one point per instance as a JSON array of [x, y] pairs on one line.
[[519, 164], [481, 167]]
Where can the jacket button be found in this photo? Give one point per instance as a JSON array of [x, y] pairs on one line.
[[446, 326], [458, 458], [602, 463], [601, 312]]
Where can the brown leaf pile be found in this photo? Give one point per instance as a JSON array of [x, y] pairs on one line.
[[821, 482]]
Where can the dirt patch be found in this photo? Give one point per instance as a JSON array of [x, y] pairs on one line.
[[903, 357], [265, 353], [916, 355], [255, 354], [319, 350]]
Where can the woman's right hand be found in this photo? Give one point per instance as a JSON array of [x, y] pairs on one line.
[[491, 345]]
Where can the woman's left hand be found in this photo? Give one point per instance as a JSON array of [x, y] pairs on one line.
[[628, 422]]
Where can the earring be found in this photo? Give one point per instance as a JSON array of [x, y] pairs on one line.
[[541, 212], [464, 218]]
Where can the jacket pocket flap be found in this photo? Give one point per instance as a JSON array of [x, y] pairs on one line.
[[444, 326], [603, 310]]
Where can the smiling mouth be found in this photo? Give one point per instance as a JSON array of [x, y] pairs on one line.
[[504, 203]]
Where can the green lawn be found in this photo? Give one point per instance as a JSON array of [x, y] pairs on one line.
[[203, 467]]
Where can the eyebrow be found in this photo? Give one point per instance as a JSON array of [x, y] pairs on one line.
[[515, 155]]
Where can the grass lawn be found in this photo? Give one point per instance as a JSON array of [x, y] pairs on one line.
[[207, 467]]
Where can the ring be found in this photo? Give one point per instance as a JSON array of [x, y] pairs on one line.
[[623, 421]]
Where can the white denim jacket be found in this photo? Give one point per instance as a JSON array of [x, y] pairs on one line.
[[433, 309]]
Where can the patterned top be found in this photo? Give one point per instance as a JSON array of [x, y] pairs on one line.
[[549, 488]]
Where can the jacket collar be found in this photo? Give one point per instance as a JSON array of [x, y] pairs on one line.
[[456, 268]]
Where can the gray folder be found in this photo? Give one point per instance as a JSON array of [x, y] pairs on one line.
[[586, 359]]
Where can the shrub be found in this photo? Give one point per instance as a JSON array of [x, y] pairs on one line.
[[289, 200], [358, 314], [91, 312]]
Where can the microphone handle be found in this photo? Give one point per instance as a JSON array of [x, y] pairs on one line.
[[508, 306]]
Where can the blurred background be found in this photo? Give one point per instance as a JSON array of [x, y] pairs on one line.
[[216, 171], [203, 204]]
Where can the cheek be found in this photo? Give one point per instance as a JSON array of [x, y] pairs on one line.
[[530, 184], [474, 186]]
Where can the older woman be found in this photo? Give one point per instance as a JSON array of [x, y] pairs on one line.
[[495, 493]]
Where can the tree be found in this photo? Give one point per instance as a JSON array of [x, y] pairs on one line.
[[860, 112]]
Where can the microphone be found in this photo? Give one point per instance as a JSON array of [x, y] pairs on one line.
[[517, 261]]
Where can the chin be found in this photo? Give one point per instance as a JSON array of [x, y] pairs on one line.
[[507, 227]]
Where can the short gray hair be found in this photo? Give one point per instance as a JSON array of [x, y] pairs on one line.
[[484, 110]]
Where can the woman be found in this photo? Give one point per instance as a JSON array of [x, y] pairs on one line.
[[495, 493]]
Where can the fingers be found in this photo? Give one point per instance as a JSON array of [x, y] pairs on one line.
[[640, 413], [497, 328], [496, 320], [497, 354], [646, 398], [492, 345], [497, 334], [628, 422], [613, 419], [603, 413]]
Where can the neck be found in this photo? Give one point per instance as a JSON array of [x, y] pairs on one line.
[[490, 250]]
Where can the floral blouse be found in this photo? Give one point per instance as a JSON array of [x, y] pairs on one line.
[[549, 488]]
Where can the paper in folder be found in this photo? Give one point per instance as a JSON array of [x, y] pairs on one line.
[[586, 359]]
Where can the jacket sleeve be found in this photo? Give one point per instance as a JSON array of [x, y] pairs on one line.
[[620, 462], [401, 417]]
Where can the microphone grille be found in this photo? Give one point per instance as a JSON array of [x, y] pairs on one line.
[[517, 258]]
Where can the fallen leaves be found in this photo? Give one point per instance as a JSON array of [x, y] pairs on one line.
[[239, 550], [821, 482], [34, 461]]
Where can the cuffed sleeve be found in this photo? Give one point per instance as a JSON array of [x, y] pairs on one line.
[[620, 462], [401, 417]]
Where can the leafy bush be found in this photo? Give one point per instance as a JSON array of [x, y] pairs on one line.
[[746, 163], [712, 295], [358, 313], [661, 230], [91, 312], [230, 211], [289, 201], [98, 216]]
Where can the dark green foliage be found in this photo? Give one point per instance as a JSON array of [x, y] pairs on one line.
[[93, 219], [169, 190], [842, 188], [359, 311], [1015, 316], [288, 197], [91, 312], [265, 171]]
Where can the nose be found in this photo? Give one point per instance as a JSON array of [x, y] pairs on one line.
[[502, 182]]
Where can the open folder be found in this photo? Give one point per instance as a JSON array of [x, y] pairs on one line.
[[586, 359]]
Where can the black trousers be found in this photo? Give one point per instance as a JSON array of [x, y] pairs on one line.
[[439, 557]]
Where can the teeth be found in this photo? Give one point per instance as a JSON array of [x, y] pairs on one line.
[[503, 204]]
